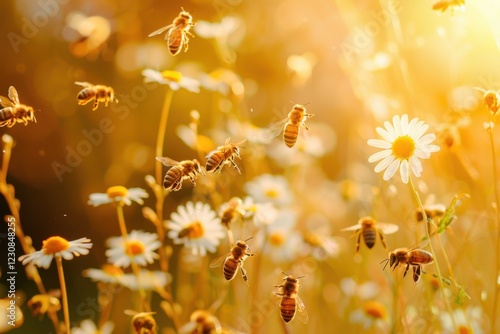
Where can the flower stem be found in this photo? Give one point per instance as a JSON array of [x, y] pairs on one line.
[[431, 248], [160, 193], [497, 217], [64, 293]]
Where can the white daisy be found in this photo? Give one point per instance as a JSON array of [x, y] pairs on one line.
[[269, 188], [108, 274], [59, 247], [220, 29], [279, 241], [175, 80], [118, 194], [148, 280], [371, 313], [467, 321], [139, 247], [403, 144], [88, 327], [196, 226]]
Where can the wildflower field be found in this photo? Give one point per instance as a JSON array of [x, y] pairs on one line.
[[237, 166]]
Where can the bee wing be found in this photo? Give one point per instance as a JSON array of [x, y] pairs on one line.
[[302, 312], [167, 161], [13, 95], [218, 261], [83, 83], [387, 228], [6, 102], [420, 244], [353, 227], [159, 31], [274, 129]]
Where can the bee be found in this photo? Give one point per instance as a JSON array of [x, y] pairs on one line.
[[186, 169], [291, 125], [13, 111], [412, 256], [143, 322], [230, 210], [177, 35], [234, 260], [291, 301], [223, 155], [202, 322], [98, 93], [369, 228], [443, 5]]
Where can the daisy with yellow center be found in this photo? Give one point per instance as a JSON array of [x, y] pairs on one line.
[[269, 188], [118, 194], [138, 247], [403, 144], [87, 326], [108, 274], [371, 314], [174, 79], [196, 226], [58, 248]]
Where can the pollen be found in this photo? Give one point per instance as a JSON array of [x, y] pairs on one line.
[[272, 193], [117, 191], [55, 245], [134, 247], [276, 239], [172, 75], [374, 309], [403, 147], [195, 230]]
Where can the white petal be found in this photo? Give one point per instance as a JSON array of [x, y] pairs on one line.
[[397, 125], [379, 143], [404, 124], [391, 170], [387, 135], [419, 131], [416, 166], [404, 170], [427, 139], [384, 163], [379, 155]]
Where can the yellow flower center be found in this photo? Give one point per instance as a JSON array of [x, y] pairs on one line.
[[312, 239], [134, 247], [117, 191], [272, 193], [403, 147], [276, 239], [55, 245], [462, 329], [112, 270], [374, 309], [172, 75], [192, 231]]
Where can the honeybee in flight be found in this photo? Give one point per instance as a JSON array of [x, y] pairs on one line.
[[230, 210], [186, 169], [143, 322], [98, 93], [223, 155], [296, 118], [369, 228], [290, 301], [13, 111], [234, 260], [177, 35], [413, 257]]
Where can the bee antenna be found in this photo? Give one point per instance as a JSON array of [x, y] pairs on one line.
[[386, 262], [248, 239], [305, 104], [285, 273]]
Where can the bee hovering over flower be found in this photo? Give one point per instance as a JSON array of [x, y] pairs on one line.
[[178, 31], [369, 228], [290, 301], [223, 155], [230, 210], [291, 125], [234, 260], [98, 93], [412, 256], [13, 111], [186, 169]]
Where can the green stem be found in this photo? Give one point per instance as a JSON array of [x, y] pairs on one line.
[[431, 248], [64, 293]]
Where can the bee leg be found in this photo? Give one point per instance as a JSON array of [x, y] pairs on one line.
[[304, 125], [96, 104], [416, 273], [358, 243], [406, 270], [235, 166], [382, 239], [244, 274]]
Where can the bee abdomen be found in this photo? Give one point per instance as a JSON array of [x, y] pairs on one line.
[[172, 177], [290, 134], [230, 267], [287, 308], [369, 236], [6, 114], [174, 42], [213, 163]]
